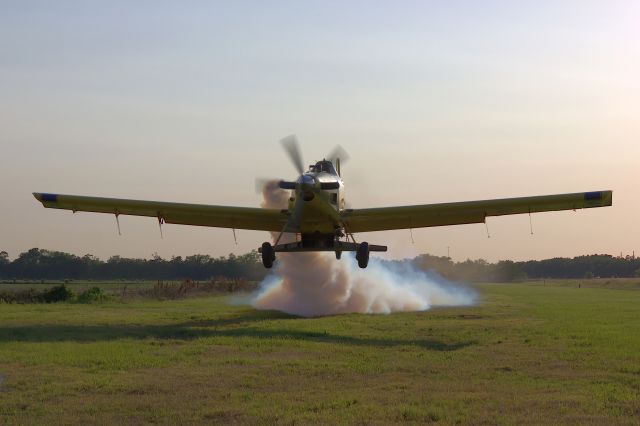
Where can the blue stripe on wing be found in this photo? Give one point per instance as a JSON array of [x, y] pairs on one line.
[[51, 198], [590, 196]]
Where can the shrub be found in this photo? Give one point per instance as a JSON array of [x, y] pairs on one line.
[[23, 296], [7, 297], [58, 293], [93, 294]]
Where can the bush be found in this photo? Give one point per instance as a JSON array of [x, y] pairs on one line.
[[58, 293], [7, 297], [167, 290], [94, 294], [24, 296]]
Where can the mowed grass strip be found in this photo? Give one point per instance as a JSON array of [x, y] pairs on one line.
[[525, 354]]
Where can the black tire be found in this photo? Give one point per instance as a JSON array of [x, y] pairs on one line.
[[338, 254], [362, 255], [268, 255]]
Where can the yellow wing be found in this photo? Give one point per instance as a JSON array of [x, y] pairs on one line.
[[178, 213], [386, 218]]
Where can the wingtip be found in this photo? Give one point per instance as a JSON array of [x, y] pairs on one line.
[[44, 197]]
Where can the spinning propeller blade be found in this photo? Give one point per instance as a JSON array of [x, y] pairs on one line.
[[261, 183], [338, 153], [294, 220], [336, 156], [292, 148]]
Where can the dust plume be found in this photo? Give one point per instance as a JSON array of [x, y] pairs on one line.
[[315, 284]]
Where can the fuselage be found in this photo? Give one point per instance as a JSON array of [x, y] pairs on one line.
[[320, 192]]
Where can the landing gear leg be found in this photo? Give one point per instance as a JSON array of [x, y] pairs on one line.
[[362, 255], [338, 234], [268, 255]]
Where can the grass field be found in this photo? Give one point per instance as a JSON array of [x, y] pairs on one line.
[[526, 354]]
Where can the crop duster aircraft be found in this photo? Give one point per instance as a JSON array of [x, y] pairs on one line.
[[317, 213]]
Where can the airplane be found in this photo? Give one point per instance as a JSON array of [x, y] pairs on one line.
[[317, 212]]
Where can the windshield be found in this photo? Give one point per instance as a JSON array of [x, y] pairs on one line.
[[323, 166]]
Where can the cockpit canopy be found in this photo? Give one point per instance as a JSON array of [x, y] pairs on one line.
[[323, 166]]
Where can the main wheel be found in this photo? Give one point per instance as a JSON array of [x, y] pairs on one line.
[[268, 255], [362, 255], [338, 254]]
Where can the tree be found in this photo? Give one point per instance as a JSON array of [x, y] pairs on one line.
[[508, 271], [4, 263]]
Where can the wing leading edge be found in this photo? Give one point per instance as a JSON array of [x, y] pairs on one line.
[[358, 220], [427, 215], [177, 213]]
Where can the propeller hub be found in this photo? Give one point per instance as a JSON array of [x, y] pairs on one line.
[[307, 181]]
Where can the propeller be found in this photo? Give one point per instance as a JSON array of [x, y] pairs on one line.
[[336, 156], [338, 153], [292, 148], [293, 224], [305, 186], [261, 182]]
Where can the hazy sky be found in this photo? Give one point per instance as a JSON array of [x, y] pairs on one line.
[[435, 102]]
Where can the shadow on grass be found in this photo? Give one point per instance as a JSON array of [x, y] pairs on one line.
[[237, 326]]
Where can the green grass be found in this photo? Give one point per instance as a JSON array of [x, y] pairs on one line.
[[527, 354]]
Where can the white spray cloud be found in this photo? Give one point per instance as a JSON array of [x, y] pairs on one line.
[[314, 284]]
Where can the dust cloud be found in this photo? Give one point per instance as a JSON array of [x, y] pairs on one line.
[[316, 284]]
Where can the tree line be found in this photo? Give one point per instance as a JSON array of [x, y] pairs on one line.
[[38, 264], [590, 266]]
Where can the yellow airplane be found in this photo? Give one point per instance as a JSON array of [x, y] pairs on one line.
[[317, 212]]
